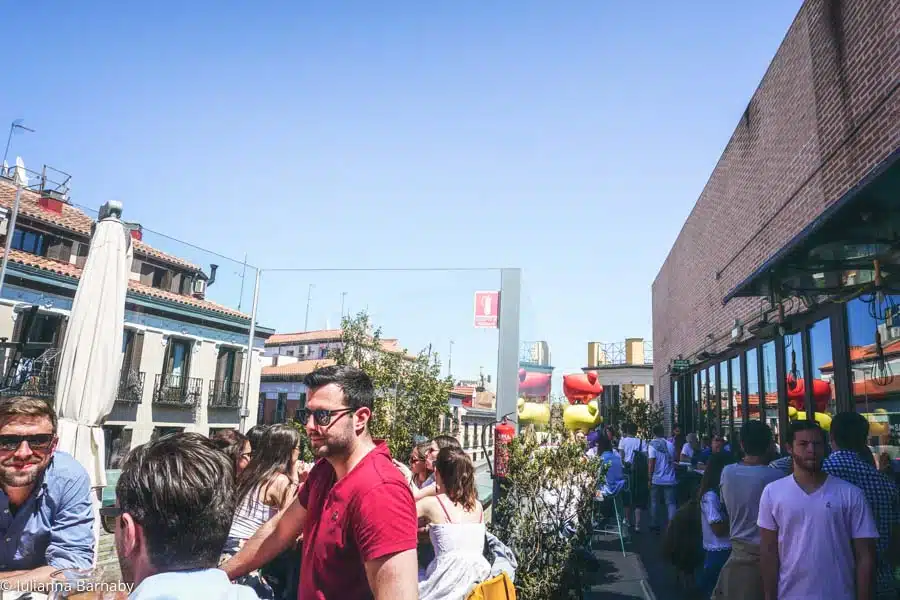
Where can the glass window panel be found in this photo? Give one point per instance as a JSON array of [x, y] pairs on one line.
[[734, 388], [722, 396], [753, 383], [793, 360], [702, 405], [822, 366], [770, 386]]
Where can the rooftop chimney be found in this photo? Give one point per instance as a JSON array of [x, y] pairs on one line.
[[52, 201], [212, 274]]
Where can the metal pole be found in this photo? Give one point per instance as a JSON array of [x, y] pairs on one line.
[[508, 355], [343, 296], [10, 231], [248, 369], [243, 280], [308, 298], [450, 361]]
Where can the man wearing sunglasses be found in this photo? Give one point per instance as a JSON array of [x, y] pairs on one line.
[[355, 511], [46, 518]]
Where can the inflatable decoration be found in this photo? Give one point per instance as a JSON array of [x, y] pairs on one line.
[[821, 393], [823, 419], [537, 413], [879, 423], [533, 384], [581, 388], [582, 417]]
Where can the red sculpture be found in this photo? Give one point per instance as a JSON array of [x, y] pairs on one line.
[[796, 390], [581, 388], [532, 384]]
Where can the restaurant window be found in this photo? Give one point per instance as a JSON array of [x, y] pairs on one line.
[[753, 383], [721, 397], [770, 388], [822, 367], [736, 407], [702, 405], [875, 375]]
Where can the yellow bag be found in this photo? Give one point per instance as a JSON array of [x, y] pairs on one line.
[[496, 588]]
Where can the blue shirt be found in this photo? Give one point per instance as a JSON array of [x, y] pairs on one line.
[[615, 475], [211, 584], [55, 526]]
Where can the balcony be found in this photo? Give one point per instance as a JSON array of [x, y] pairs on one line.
[[34, 377], [225, 394], [131, 387], [177, 390]]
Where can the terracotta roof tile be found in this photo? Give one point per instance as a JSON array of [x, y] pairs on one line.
[[74, 220], [295, 369], [136, 287], [305, 337], [463, 390]]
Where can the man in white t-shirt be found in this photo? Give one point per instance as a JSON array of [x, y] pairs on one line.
[[817, 531], [661, 455], [628, 445]]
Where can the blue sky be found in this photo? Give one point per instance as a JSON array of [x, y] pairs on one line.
[[568, 139]]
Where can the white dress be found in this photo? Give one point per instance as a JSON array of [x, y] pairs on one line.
[[459, 562]]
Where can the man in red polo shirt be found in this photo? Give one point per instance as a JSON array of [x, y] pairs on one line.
[[356, 512]]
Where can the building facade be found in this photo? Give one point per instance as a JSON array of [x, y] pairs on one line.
[[622, 368], [184, 356], [778, 295]]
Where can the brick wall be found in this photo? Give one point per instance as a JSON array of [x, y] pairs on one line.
[[826, 112]]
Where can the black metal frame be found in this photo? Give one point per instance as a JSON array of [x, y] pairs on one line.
[[185, 393], [131, 387], [225, 394]]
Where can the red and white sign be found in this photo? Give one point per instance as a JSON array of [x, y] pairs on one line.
[[487, 310]]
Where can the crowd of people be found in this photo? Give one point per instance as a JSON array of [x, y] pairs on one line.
[[822, 521], [243, 517]]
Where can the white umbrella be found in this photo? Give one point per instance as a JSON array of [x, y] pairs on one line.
[[91, 359]]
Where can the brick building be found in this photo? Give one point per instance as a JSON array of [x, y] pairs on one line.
[[783, 270]]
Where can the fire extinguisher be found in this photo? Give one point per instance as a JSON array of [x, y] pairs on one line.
[[503, 435]]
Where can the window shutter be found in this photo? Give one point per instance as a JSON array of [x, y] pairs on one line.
[[175, 287], [238, 375], [61, 332], [137, 351], [81, 254], [17, 328]]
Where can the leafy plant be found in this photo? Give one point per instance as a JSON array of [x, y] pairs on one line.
[[643, 413], [411, 397], [544, 514]]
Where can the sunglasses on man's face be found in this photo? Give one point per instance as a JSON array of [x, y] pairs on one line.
[[108, 516], [321, 416], [39, 441]]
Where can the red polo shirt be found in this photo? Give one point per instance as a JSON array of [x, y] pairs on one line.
[[368, 514]]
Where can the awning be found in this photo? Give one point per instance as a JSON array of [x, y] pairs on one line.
[[836, 251]]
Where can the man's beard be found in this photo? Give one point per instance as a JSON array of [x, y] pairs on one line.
[[333, 447], [12, 477]]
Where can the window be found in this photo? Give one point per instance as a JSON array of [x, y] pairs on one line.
[[177, 363], [228, 366], [156, 277], [261, 409], [280, 407], [822, 367], [133, 349], [736, 409], [753, 383], [29, 241], [159, 432], [289, 353], [770, 388], [118, 443], [465, 443], [45, 329]]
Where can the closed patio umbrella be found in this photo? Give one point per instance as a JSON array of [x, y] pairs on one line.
[[91, 359]]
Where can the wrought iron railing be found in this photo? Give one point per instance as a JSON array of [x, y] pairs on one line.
[[177, 390], [35, 377], [225, 394], [131, 387]]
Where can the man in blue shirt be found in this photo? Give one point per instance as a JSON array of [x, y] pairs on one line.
[[174, 504], [46, 521]]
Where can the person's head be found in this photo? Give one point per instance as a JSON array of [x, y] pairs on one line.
[[418, 459], [676, 430], [631, 429], [659, 431], [235, 445], [806, 443], [27, 440], [718, 443], [756, 438], [174, 506], [705, 441], [254, 436], [338, 409], [604, 444], [693, 440], [849, 431], [275, 454], [439, 443], [580, 437], [454, 475], [712, 475]]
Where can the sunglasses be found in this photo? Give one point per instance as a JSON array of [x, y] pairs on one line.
[[38, 441], [108, 516], [321, 416]]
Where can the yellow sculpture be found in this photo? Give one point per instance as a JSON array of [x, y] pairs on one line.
[[582, 417], [823, 419], [537, 413]]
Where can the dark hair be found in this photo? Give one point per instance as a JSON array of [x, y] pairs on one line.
[[26, 406], [447, 441], [359, 392], [802, 425], [756, 438], [659, 431], [231, 442], [180, 489], [850, 431], [631, 428], [603, 444], [273, 456], [712, 476], [457, 476], [254, 436]]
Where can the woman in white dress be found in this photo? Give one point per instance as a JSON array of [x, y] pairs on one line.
[[456, 528]]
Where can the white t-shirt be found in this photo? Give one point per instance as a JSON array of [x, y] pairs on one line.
[[687, 452], [628, 445], [664, 470], [711, 512], [742, 486], [816, 530]]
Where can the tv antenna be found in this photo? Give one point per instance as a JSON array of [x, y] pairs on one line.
[[14, 127]]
